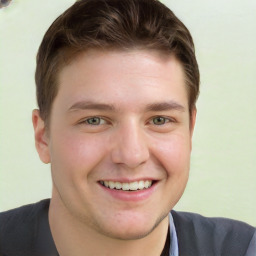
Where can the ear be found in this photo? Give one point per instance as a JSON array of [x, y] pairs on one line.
[[192, 120], [41, 138], [192, 124]]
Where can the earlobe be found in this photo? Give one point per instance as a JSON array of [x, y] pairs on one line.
[[41, 138]]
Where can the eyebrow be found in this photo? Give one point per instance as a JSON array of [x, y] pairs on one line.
[[155, 107], [84, 105], [164, 106]]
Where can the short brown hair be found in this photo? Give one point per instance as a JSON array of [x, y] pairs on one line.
[[112, 24]]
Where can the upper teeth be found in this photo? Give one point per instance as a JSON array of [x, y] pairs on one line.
[[127, 186]]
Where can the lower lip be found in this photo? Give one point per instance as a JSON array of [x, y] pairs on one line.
[[135, 196]]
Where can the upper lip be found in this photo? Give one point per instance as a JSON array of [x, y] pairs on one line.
[[127, 180]]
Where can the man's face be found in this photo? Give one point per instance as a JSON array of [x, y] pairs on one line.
[[120, 140]]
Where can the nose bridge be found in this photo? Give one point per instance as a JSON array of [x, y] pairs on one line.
[[130, 147]]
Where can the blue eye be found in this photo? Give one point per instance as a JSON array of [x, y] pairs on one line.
[[159, 120]]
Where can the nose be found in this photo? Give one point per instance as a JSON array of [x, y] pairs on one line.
[[130, 146]]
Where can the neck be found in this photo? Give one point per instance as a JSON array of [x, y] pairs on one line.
[[74, 238]]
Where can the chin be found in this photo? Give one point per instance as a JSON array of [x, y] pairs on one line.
[[136, 228], [128, 234]]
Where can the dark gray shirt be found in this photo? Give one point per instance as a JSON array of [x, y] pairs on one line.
[[25, 231]]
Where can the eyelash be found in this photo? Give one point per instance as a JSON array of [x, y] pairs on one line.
[[103, 120], [165, 119], [86, 121]]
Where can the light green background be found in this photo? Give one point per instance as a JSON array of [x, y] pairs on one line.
[[223, 167]]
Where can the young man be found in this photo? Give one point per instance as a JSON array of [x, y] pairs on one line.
[[117, 83]]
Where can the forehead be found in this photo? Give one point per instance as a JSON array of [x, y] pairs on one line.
[[117, 75]]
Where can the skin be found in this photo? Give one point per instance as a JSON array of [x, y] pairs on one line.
[[127, 141]]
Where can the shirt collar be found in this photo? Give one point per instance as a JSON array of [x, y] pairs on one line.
[[46, 241], [174, 249]]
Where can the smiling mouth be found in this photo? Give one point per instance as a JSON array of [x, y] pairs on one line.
[[128, 186]]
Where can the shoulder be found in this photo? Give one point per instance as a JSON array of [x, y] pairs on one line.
[[18, 226], [213, 236], [23, 215]]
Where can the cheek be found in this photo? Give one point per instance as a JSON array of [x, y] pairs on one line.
[[174, 154], [76, 154]]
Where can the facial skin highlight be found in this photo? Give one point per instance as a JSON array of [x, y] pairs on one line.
[[120, 117]]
